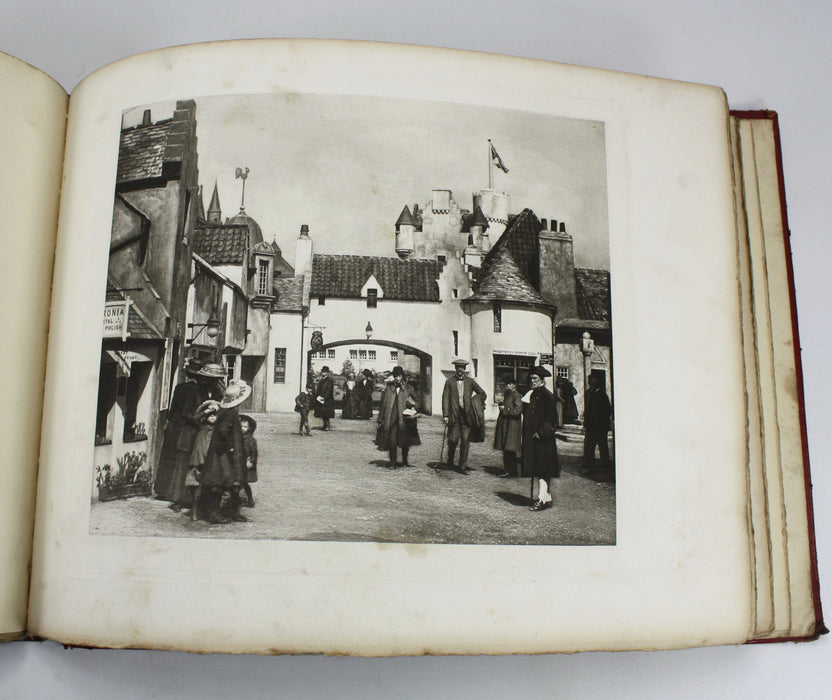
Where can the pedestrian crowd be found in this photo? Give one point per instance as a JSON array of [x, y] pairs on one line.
[[209, 453]]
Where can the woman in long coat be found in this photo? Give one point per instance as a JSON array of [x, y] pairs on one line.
[[397, 420], [540, 453], [351, 408], [508, 432], [364, 389], [181, 428], [225, 462]]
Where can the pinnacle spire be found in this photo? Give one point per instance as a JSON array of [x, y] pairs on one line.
[[214, 211]]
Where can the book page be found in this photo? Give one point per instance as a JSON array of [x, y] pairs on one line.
[[32, 123], [671, 565]]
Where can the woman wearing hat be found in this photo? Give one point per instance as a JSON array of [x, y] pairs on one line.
[[181, 428], [364, 390], [225, 462], [540, 453]]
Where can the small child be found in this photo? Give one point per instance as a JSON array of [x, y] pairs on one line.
[[206, 415], [303, 404], [248, 425]]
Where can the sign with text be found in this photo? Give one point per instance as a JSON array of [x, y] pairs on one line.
[[116, 314]]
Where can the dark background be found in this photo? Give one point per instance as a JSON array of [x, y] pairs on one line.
[[764, 54]]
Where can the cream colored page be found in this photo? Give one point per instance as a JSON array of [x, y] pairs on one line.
[[678, 574], [785, 383], [32, 122], [758, 511], [767, 396]]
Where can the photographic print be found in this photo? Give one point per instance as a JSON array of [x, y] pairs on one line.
[[356, 319]]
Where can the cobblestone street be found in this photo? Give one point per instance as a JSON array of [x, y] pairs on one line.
[[335, 486]]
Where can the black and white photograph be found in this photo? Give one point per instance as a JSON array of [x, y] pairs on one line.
[[356, 319]]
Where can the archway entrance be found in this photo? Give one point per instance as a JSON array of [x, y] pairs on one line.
[[379, 356]]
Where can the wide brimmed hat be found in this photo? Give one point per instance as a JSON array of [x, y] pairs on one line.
[[324, 369], [459, 362], [192, 366], [367, 373], [251, 421], [206, 408], [212, 370], [541, 372], [236, 392]]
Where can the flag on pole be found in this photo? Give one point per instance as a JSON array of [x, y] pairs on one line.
[[496, 160]]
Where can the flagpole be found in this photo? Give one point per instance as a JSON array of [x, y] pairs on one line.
[[490, 167]]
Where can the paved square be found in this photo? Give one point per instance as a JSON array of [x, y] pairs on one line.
[[335, 486]]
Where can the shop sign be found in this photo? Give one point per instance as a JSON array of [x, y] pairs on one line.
[[116, 314], [547, 359]]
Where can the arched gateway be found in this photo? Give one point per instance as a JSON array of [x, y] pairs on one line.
[[364, 353]]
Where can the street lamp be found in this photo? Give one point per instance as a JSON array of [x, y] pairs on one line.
[[587, 348], [211, 327], [368, 331]]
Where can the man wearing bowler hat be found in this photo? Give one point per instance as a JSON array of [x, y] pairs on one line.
[[462, 412], [325, 399], [540, 453]]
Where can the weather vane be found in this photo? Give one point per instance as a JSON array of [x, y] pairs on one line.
[[242, 173]]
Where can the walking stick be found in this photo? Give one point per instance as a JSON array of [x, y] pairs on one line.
[[442, 448]]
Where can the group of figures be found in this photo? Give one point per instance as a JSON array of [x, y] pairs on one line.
[[209, 454], [320, 400]]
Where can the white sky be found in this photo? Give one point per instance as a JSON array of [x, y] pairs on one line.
[[346, 165]]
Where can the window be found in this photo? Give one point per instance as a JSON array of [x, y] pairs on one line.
[[455, 293], [456, 342], [371, 354], [563, 372], [394, 356], [280, 365], [330, 353], [353, 354], [362, 354], [498, 318], [372, 298], [441, 258], [262, 276], [321, 300], [230, 363], [511, 367]]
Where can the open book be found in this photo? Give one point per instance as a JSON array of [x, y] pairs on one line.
[[539, 319]]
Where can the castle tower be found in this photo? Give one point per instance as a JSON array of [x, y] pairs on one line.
[[494, 206], [405, 233], [479, 231]]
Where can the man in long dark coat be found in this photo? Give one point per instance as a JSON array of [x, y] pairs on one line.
[[597, 412], [508, 432], [462, 411], [325, 398], [396, 420], [364, 388], [181, 427], [540, 453]]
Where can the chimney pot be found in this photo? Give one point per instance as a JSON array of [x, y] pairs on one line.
[[146, 121], [554, 226], [562, 227], [304, 228], [543, 224]]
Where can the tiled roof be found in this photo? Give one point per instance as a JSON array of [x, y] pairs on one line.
[[345, 275], [593, 291], [288, 294], [502, 280], [520, 238], [221, 244], [141, 153]]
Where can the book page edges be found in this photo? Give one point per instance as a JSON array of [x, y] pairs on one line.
[[32, 125], [139, 591], [784, 382]]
